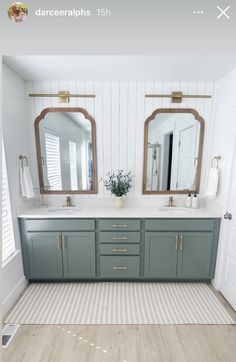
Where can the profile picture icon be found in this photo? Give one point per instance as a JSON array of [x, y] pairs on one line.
[[17, 12]]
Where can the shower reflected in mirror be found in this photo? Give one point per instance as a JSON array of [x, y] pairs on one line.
[[172, 151]]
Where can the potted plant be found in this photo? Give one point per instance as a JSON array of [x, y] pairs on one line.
[[119, 184]]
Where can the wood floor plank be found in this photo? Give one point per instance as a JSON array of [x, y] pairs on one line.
[[113, 343]]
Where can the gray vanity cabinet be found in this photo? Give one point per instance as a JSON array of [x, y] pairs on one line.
[[119, 249], [180, 254], [185, 255], [160, 255], [194, 255], [78, 254], [58, 255], [44, 255]]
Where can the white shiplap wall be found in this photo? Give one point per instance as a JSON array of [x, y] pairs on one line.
[[120, 110]]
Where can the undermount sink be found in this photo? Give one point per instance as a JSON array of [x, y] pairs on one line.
[[175, 210], [64, 210]]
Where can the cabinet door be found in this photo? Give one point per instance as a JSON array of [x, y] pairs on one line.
[[160, 255], [78, 254], [45, 256], [194, 255]]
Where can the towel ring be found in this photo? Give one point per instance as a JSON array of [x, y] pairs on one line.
[[217, 159], [22, 158]]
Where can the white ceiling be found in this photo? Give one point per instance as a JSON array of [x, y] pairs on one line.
[[122, 68]]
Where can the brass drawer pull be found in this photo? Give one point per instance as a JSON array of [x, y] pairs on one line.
[[120, 250], [181, 242], [119, 225], [120, 267], [119, 238]]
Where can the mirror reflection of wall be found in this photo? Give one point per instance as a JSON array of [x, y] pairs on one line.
[[172, 151], [66, 151]]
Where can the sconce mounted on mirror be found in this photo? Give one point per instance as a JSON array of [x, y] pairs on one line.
[[63, 96], [176, 97], [173, 146]]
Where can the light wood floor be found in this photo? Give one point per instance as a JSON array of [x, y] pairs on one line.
[[123, 343]]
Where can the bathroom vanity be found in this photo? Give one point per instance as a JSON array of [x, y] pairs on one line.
[[134, 243]]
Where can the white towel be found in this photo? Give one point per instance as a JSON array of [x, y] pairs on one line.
[[212, 183], [26, 184], [22, 182]]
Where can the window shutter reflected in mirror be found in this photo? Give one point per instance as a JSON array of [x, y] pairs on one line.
[[73, 165], [53, 162], [66, 151]]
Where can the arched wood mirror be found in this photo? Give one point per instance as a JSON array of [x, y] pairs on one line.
[[66, 151], [173, 146]]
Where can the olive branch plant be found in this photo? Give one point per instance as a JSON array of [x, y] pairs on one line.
[[120, 183]]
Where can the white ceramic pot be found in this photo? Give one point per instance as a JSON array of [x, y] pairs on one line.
[[119, 202]]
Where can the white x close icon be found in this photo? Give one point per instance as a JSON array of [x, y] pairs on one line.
[[223, 12]]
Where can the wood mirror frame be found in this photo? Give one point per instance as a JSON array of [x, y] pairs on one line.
[[39, 157], [199, 156]]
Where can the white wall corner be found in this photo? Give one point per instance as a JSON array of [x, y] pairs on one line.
[[12, 297]]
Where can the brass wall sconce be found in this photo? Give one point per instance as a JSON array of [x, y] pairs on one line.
[[176, 97], [63, 96]]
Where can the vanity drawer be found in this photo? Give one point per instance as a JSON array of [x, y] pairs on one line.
[[119, 224], [180, 224], [119, 237], [119, 249], [119, 266], [59, 224]]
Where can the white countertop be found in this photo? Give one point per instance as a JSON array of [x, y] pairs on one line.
[[110, 212]]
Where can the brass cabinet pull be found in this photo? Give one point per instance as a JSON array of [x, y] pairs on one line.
[[120, 250], [119, 225], [120, 267], [62, 242], [59, 242], [181, 242], [119, 238], [176, 242]]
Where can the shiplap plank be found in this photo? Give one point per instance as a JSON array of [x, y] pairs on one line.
[[207, 116], [157, 102], [131, 127], [115, 124], [98, 116], [184, 90], [30, 111], [107, 132], [167, 89], [90, 107], [123, 126], [90, 102], [71, 87], [80, 89], [139, 135]]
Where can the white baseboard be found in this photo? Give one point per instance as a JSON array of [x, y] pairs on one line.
[[11, 299]]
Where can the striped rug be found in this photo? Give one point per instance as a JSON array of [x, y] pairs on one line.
[[119, 303]]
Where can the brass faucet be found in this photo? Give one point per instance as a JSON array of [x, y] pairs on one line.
[[171, 200], [68, 202]]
